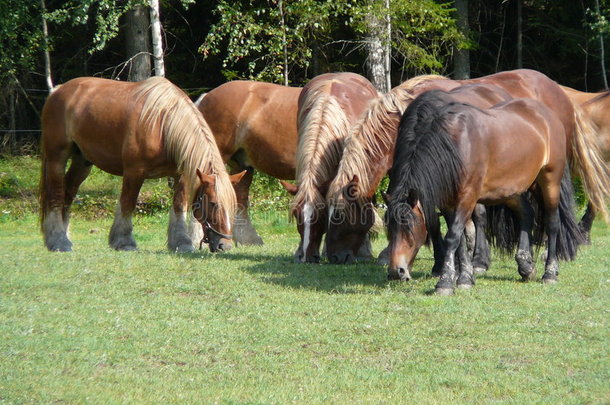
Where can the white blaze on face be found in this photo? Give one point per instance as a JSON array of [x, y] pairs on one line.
[[307, 214], [331, 211]]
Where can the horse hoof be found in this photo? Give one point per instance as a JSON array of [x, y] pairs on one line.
[[464, 286], [479, 271], [444, 292], [528, 277], [185, 249], [549, 280]]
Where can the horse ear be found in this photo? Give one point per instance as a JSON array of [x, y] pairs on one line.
[[413, 197], [351, 190], [235, 178], [291, 188], [206, 179], [386, 197]]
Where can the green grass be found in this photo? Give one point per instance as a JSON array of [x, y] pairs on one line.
[[251, 327]]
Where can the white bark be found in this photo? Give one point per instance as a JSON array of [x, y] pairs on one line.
[[47, 55], [157, 42]]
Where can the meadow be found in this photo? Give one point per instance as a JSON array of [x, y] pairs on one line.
[[249, 326]]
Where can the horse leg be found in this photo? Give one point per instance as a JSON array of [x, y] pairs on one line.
[[178, 237], [438, 249], [551, 268], [466, 278], [524, 256], [481, 257], [121, 236], [453, 239], [586, 222], [244, 232], [52, 198], [77, 173]]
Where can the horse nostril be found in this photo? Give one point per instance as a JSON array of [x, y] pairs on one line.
[[404, 274], [334, 259]]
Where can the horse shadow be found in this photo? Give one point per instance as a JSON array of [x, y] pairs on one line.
[[357, 278]]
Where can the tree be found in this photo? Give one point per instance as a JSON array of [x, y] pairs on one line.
[[461, 58], [377, 43], [138, 43]]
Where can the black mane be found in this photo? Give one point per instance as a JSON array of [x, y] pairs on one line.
[[426, 159]]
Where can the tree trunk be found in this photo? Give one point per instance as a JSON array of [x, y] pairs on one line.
[[47, 55], [461, 60], [157, 42], [284, 42], [601, 48], [137, 43], [377, 59]]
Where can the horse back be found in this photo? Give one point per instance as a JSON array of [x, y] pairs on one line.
[[258, 118]]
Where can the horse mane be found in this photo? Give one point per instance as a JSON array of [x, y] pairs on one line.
[[426, 159], [322, 126], [187, 138], [371, 139]]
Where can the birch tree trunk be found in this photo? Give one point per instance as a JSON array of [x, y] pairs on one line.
[[157, 42], [47, 55], [284, 42], [137, 43], [602, 56], [461, 60], [519, 35], [378, 54]]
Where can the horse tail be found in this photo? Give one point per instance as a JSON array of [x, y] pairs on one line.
[[589, 164], [569, 236]]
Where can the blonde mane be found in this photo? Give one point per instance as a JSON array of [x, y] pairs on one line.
[[187, 138], [322, 126], [371, 139]]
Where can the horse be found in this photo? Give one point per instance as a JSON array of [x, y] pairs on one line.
[[596, 106], [369, 150], [255, 127], [450, 155], [327, 107], [137, 130]]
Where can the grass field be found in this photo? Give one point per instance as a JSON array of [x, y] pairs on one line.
[[250, 327]]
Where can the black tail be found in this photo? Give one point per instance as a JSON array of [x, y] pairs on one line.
[[570, 236]]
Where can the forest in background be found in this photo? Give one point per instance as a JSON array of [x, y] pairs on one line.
[[206, 43]]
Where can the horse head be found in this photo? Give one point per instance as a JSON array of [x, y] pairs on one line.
[[214, 218], [407, 233], [350, 219]]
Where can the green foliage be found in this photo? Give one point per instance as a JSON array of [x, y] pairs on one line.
[[253, 35]]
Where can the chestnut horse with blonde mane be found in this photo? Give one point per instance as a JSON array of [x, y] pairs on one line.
[[142, 130], [369, 148], [328, 105], [596, 106], [255, 127], [450, 155]]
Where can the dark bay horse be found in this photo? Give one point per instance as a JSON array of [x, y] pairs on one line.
[[255, 126], [596, 106], [328, 106], [143, 130], [450, 155], [369, 148]]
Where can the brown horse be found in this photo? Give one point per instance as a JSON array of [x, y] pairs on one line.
[[328, 105], [143, 130], [369, 148], [255, 126], [450, 155], [596, 106]]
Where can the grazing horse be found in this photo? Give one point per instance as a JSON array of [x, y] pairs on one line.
[[369, 149], [596, 106], [328, 105], [255, 126], [142, 130], [450, 155]]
